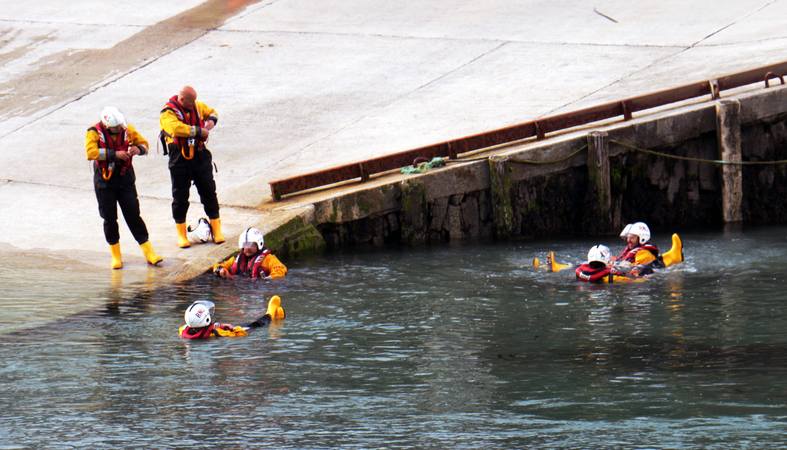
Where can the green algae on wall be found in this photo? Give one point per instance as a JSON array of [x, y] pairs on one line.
[[501, 186], [295, 238], [414, 212]]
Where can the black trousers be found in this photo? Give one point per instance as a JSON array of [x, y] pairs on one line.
[[120, 190], [199, 171]]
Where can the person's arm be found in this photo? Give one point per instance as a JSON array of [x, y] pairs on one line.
[[224, 268], [174, 127], [230, 330], [209, 114], [93, 152], [273, 268], [135, 139]]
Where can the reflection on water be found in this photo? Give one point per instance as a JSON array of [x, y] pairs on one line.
[[463, 346]]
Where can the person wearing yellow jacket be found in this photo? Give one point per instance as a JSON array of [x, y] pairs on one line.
[[111, 144], [200, 323], [253, 260], [185, 127]]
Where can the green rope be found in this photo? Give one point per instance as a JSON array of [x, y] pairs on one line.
[[702, 160], [576, 152], [424, 166]]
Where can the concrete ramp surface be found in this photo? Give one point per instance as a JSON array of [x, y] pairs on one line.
[[301, 85]]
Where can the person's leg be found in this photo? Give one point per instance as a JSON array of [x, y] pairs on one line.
[[129, 205], [206, 187], [107, 208], [181, 183], [261, 322]]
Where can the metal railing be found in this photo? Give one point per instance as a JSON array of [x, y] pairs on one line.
[[534, 128]]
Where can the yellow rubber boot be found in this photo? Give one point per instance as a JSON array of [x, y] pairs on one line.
[[675, 254], [150, 254], [275, 310], [555, 266], [183, 240], [114, 249], [215, 228]]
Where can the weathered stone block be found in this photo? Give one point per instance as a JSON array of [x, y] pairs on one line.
[[437, 211], [295, 238], [453, 223], [470, 216]]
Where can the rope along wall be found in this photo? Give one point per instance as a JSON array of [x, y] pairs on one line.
[[719, 162]]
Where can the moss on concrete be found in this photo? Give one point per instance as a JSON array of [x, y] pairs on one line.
[[295, 238]]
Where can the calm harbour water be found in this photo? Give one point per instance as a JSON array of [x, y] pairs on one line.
[[463, 346]]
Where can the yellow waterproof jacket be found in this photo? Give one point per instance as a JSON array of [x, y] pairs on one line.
[[269, 266], [174, 127], [96, 150], [218, 330]]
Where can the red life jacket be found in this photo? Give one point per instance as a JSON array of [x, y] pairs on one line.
[[590, 274], [117, 142], [197, 333], [190, 117], [251, 266], [630, 254]]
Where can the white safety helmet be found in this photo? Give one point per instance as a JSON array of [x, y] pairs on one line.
[[625, 233], [112, 117], [599, 253], [199, 314], [640, 230], [202, 232], [251, 235]]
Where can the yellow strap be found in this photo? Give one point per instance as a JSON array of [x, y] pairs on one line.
[[106, 174]]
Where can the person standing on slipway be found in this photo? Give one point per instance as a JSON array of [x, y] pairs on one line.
[[111, 144], [185, 127]]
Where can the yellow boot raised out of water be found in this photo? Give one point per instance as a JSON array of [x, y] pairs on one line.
[[150, 254], [183, 240], [275, 310], [215, 228], [555, 266], [675, 254], [114, 249]]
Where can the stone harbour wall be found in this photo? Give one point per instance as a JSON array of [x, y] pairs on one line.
[[583, 184]]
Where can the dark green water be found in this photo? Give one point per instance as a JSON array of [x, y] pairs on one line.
[[444, 347]]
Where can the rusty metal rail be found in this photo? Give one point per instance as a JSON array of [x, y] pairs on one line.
[[534, 128]]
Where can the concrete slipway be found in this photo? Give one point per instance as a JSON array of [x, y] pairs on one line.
[[301, 85]]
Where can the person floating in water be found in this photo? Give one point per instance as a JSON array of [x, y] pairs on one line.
[[598, 269], [640, 256], [200, 323], [253, 260], [639, 250], [637, 259]]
